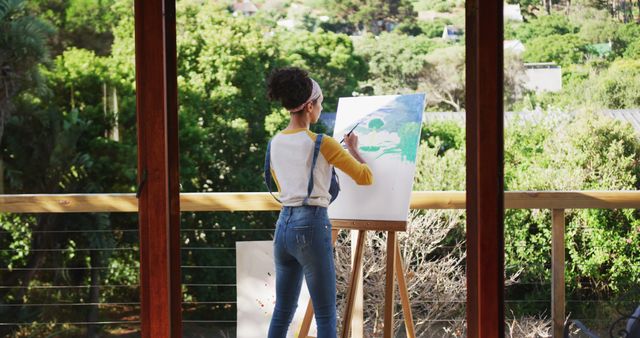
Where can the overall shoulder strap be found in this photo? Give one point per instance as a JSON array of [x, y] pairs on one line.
[[316, 151], [267, 171]]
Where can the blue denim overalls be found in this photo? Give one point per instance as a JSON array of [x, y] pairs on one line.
[[303, 247]]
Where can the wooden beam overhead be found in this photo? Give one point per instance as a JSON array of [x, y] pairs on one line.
[[485, 153], [158, 176]]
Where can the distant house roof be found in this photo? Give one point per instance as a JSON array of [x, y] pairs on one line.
[[512, 12], [629, 115], [532, 65], [543, 77], [514, 45], [632, 116], [451, 32], [602, 49], [245, 7]]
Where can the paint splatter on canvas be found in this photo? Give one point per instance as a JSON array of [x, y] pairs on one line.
[[255, 276]]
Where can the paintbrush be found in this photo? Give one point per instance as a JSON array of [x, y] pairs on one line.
[[351, 131]]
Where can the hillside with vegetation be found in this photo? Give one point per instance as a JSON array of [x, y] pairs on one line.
[[67, 125]]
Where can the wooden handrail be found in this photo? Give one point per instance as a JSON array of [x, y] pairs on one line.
[[259, 201]]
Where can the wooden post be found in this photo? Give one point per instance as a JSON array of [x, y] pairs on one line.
[[1, 176], [389, 296], [557, 273], [158, 205], [484, 180]]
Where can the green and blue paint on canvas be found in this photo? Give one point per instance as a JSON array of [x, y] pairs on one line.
[[390, 129]]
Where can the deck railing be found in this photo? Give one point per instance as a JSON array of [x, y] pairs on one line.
[[557, 201]]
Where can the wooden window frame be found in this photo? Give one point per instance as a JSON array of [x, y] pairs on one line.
[[158, 168], [159, 207], [485, 169]]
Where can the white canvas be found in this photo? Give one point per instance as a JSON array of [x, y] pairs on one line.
[[388, 128], [256, 291]]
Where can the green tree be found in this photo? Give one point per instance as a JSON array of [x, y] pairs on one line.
[[562, 49], [444, 78], [406, 64], [628, 35], [69, 152], [84, 24], [329, 57], [22, 48], [633, 50], [396, 62], [514, 79], [544, 26], [369, 16], [50, 164], [599, 30], [618, 87], [598, 4]]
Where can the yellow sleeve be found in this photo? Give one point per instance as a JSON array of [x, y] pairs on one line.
[[341, 159]]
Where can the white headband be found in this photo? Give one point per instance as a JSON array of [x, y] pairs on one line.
[[315, 93]]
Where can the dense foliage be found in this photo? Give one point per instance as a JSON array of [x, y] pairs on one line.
[[584, 152], [22, 49], [374, 16]]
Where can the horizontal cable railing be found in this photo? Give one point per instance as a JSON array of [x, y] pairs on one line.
[[557, 201]]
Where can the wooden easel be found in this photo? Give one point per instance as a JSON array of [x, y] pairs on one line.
[[393, 266]]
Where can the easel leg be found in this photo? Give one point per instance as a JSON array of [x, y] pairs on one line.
[[404, 295], [306, 322], [357, 264], [357, 318], [389, 285], [308, 315]]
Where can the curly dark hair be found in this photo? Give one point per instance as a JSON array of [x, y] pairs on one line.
[[291, 86]]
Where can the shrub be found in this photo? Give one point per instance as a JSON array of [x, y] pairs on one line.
[[618, 87], [555, 152], [562, 49]]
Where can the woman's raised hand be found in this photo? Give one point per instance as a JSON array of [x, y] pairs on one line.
[[351, 141]]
